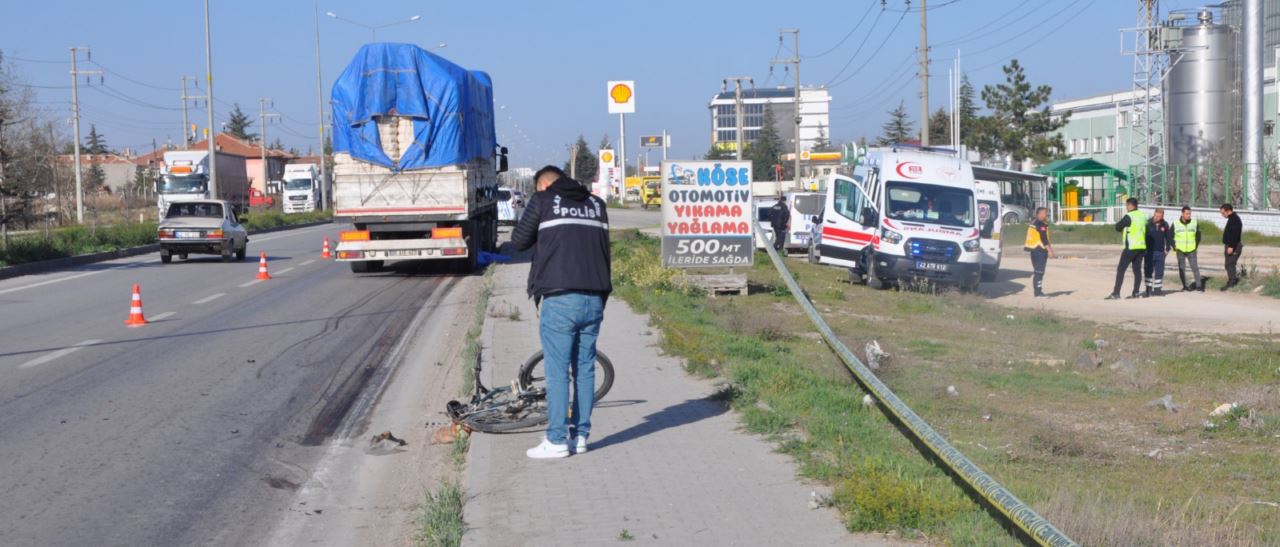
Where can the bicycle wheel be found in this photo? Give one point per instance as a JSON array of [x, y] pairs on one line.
[[531, 374], [497, 418]]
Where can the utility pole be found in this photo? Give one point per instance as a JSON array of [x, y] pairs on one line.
[[924, 74], [664, 144], [262, 127], [187, 133], [794, 61], [573, 163], [75, 124], [740, 142], [324, 169], [213, 135]]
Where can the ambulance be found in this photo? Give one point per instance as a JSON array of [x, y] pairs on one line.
[[907, 213]]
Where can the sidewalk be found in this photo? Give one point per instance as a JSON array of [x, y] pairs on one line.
[[666, 465]]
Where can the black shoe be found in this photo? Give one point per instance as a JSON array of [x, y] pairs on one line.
[[1112, 296], [1185, 288], [1145, 294], [1039, 294], [1202, 285], [1134, 296], [1159, 292]]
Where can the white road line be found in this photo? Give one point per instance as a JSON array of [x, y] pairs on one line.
[[57, 354], [160, 316], [210, 298], [307, 262], [284, 271], [254, 282], [58, 280]]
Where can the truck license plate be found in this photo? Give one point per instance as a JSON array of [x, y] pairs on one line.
[[931, 266], [403, 253]]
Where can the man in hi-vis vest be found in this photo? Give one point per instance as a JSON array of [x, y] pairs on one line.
[[1038, 245], [1186, 240], [1133, 229]]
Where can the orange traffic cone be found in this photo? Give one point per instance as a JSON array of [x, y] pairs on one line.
[[135, 309], [262, 267], [326, 255]]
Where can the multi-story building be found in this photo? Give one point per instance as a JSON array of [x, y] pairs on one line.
[[815, 120]]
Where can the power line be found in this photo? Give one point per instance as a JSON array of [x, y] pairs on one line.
[[865, 37], [917, 10], [846, 36], [131, 80], [121, 96], [43, 61], [873, 54], [980, 32], [1035, 43], [1037, 27]]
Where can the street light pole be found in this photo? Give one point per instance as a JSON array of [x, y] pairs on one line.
[[324, 169], [373, 29], [213, 135]]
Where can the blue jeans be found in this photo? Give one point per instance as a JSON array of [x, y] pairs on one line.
[[569, 327]]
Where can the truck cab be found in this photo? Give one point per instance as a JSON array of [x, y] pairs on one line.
[[906, 213], [301, 188]]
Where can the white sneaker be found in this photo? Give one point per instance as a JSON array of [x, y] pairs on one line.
[[580, 446], [546, 450]]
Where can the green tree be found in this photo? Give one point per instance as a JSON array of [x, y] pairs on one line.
[[1021, 125], [716, 153], [276, 145], [238, 125], [585, 160], [96, 177], [940, 128], [765, 152], [899, 127], [94, 142], [823, 142], [968, 103]]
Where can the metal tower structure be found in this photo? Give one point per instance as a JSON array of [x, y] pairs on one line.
[[1146, 120]]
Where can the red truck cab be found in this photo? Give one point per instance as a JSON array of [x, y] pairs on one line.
[[259, 199]]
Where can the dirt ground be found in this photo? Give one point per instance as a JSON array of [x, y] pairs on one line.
[[1082, 275]]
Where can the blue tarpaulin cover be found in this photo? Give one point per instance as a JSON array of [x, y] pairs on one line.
[[451, 107]]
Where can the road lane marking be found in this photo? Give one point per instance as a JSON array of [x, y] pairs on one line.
[[254, 282], [307, 262], [284, 271], [57, 354], [209, 298], [58, 280], [165, 315]]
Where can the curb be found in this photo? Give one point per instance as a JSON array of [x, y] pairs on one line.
[[42, 266]]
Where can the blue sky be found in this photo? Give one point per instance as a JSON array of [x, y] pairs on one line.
[[550, 60]]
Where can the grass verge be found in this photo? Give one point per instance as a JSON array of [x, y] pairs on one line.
[[1076, 443], [440, 521]]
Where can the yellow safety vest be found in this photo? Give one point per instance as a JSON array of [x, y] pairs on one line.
[[1184, 235], [1033, 238], [1136, 233]]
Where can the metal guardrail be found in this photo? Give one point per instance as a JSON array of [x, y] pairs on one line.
[[1018, 513]]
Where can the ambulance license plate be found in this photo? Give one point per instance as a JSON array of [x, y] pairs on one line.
[[930, 266]]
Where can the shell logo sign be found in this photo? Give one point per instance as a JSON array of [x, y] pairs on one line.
[[606, 156], [622, 97]]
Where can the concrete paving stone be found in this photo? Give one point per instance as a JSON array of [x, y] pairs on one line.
[[665, 464]]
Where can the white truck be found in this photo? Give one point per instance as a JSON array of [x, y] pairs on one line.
[[906, 213], [185, 176], [416, 161], [301, 188]]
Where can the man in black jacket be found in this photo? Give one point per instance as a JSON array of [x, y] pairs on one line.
[[1159, 242], [779, 220], [1231, 242], [568, 230]]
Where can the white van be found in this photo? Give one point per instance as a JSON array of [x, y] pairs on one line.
[[906, 213], [990, 223], [805, 207], [510, 206]]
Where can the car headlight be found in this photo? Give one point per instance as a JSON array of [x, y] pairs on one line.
[[890, 236], [973, 245]]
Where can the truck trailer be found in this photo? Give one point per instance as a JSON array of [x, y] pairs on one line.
[[185, 176], [416, 160]]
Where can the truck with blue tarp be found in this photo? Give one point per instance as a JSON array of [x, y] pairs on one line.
[[416, 159]]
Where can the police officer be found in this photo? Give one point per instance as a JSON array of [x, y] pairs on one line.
[[1186, 240], [1133, 229], [1159, 242], [779, 219], [1038, 245]]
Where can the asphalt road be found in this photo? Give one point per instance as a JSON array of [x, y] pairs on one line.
[[196, 428]]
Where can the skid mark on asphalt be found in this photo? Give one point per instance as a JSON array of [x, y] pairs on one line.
[[162, 316], [209, 298], [57, 354]]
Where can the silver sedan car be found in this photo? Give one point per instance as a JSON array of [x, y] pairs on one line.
[[201, 227]]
